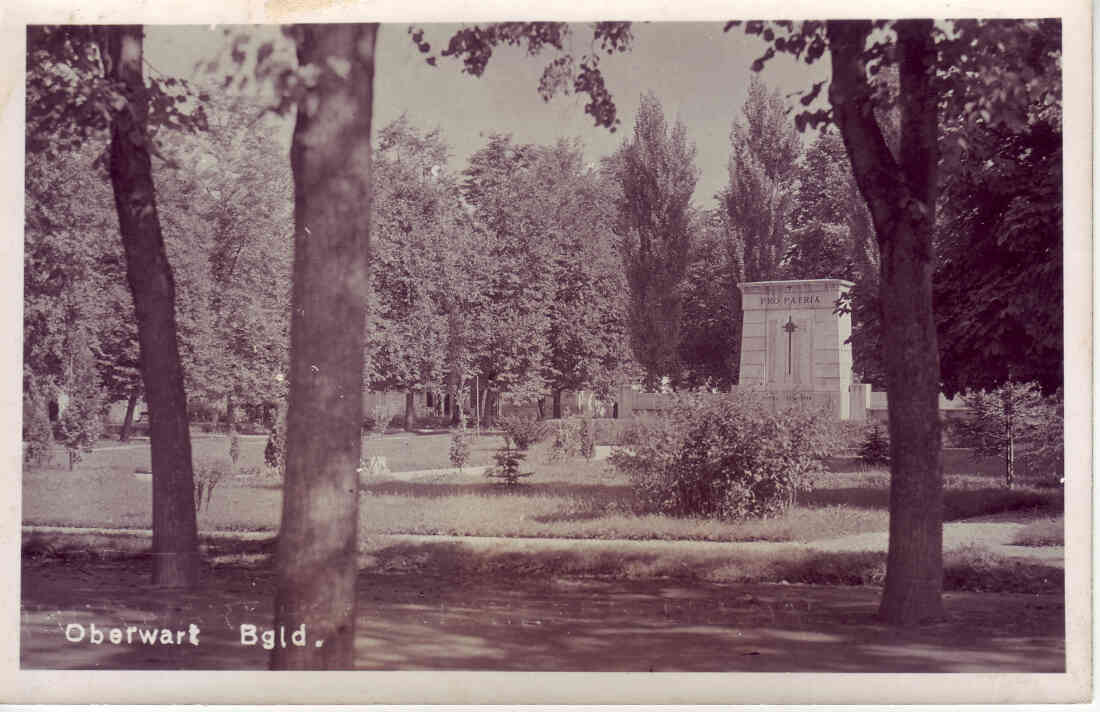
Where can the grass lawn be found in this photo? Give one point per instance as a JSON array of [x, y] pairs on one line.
[[577, 499], [403, 452], [1042, 532]]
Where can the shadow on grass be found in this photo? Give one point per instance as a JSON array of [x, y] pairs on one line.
[[857, 497], [586, 515], [958, 503], [956, 461], [965, 570]]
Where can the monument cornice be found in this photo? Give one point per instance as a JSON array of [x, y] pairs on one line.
[[799, 283]]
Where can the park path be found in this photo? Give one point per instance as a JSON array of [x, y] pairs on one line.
[[436, 622], [500, 621]]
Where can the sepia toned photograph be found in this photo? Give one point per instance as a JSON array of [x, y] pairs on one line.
[[726, 346]]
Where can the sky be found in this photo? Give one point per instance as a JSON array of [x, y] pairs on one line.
[[699, 74]]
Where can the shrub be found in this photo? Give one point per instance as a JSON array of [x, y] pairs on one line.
[[378, 418], [81, 423], [875, 448], [849, 436], [566, 442], [37, 432], [609, 431], [459, 451], [1045, 458], [587, 439], [234, 447], [508, 464], [726, 456], [275, 450], [1016, 423], [522, 431], [208, 473]]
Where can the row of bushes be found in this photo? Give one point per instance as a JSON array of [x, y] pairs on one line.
[[526, 431], [244, 427]]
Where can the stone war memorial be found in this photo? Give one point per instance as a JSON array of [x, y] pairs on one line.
[[794, 346]]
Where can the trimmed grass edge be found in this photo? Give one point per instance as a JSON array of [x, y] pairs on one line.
[[970, 569]]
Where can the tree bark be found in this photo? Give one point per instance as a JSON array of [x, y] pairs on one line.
[[901, 195], [557, 403], [451, 400], [175, 534], [488, 406], [230, 414], [128, 421], [410, 410], [330, 157]]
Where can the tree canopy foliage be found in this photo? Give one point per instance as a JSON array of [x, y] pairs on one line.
[[655, 176], [999, 235], [764, 151], [227, 211]]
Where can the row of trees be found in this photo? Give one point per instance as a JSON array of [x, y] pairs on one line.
[[226, 230], [506, 272], [515, 270]]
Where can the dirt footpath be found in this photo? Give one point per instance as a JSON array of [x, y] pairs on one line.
[[415, 622]]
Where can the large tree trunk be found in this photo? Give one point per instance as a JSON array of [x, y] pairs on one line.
[[331, 160], [410, 410], [175, 534], [230, 414], [450, 400], [901, 195], [557, 403], [475, 404], [487, 406], [128, 421]]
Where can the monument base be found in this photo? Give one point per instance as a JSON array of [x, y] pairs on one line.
[[829, 402]]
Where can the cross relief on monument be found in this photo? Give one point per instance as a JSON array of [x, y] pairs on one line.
[[790, 328], [793, 344]]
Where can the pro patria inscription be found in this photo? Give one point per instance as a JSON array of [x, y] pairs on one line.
[[799, 300]]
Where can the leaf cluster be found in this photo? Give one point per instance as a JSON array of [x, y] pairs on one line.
[[70, 100], [474, 46]]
